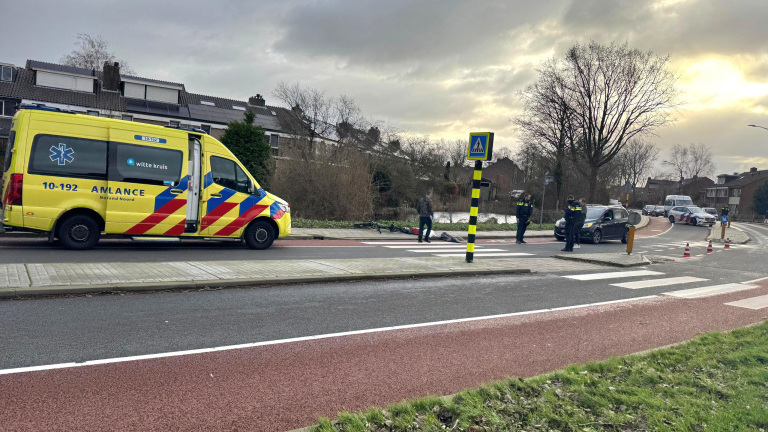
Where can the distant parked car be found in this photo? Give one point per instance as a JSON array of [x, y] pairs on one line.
[[658, 210], [711, 211], [691, 215], [648, 209]]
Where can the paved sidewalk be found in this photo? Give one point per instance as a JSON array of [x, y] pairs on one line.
[[65, 278], [736, 235]]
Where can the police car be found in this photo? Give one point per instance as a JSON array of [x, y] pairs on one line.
[[691, 215]]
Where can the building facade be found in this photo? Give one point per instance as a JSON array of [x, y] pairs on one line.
[[737, 191]]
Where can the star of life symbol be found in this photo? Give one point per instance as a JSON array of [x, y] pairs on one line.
[[478, 147], [62, 154]]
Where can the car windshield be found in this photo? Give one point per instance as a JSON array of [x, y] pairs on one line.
[[695, 209], [684, 202], [595, 212]]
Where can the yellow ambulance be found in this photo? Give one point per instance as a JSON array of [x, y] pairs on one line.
[[76, 176]]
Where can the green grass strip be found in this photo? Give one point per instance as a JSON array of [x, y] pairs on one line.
[[717, 382], [436, 226]]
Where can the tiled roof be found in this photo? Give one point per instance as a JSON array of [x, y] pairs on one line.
[[150, 80], [34, 64], [747, 178]]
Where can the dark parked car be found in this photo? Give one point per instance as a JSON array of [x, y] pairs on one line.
[[710, 210], [658, 211], [648, 209], [603, 223]]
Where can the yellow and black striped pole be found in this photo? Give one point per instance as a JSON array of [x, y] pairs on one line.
[[474, 210]]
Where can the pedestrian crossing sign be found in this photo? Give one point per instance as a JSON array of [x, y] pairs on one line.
[[480, 146]]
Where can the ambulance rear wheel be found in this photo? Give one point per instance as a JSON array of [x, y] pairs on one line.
[[79, 232], [259, 235]]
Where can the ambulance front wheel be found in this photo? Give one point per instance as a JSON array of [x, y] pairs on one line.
[[259, 235], [79, 232]]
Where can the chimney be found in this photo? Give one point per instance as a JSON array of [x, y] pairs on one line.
[[753, 170], [257, 100], [111, 79]]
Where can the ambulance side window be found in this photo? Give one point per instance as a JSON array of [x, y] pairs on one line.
[[228, 174], [68, 157], [144, 164]]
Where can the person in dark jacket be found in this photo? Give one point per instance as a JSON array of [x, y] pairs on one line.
[[424, 207], [579, 224], [724, 212], [524, 210], [572, 213]]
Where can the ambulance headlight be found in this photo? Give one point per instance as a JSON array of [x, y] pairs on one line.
[[284, 207]]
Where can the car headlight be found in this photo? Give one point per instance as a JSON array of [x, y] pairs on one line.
[[284, 207], [560, 223], [588, 225]]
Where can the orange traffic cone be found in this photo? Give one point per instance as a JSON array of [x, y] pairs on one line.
[[709, 248], [728, 243], [687, 253]]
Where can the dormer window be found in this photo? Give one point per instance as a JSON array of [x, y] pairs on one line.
[[238, 107], [6, 73], [209, 103]]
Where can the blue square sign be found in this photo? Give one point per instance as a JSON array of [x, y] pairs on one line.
[[480, 146]]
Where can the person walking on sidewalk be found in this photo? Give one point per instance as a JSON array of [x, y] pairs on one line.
[[424, 207], [579, 224], [524, 211], [572, 211]]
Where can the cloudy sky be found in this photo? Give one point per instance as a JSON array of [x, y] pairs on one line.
[[437, 67]]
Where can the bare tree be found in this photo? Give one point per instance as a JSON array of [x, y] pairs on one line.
[[457, 152], [636, 161], [700, 157], [313, 115], [678, 162], [91, 53], [616, 94]]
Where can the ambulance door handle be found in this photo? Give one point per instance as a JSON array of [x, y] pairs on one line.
[[215, 195], [176, 191]]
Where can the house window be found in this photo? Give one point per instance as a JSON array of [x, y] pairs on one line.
[[205, 102], [6, 73], [206, 128], [710, 193], [274, 140], [7, 108], [127, 117], [93, 113], [722, 192], [737, 192], [238, 107], [173, 123]]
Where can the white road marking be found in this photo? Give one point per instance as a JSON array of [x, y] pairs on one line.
[[428, 245], [291, 246], [305, 338], [483, 254], [659, 234], [709, 290], [413, 242], [450, 250], [751, 303], [658, 282], [612, 275]]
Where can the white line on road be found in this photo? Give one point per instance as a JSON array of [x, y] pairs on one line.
[[305, 338], [451, 250], [428, 245], [611, 275], [484, 254], [751, 303], [658, 282], [709, 291]]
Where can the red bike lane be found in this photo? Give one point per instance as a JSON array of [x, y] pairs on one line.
[[286, 386]]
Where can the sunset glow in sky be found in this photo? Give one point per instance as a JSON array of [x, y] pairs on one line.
[[436, 67]]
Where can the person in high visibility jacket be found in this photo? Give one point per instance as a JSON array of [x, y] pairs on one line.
[[724, 213], [572, 214], [524, 211]]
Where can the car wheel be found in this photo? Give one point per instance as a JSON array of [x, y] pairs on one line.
[[694, 222], [671, 219], [259, 235], [79, 232], [625, 237], [597, 236]]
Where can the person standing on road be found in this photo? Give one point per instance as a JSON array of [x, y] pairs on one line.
[[724, 214], [524, 211], [424, 207], [579, 223], [572, 211]]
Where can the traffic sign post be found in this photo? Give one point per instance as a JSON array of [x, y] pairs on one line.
[[723, 221], [480, 149]]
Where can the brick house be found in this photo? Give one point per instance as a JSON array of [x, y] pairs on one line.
[[657, 189], [108, 93], [737, 192]]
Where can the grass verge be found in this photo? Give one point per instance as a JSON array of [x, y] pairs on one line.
[[718, 382], [436, 226]]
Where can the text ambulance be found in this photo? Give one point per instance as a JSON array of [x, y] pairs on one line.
[[75, 176]]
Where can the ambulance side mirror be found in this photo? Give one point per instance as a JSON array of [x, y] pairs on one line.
[[251, 187]]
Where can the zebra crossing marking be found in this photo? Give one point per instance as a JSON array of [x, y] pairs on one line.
[[426, 245], [658, 282], [612, 275], [485, 254], [443, 250], [753, 303], [709, 290]]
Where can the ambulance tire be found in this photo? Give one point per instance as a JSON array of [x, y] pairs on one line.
[[259, 235], [79, 232]]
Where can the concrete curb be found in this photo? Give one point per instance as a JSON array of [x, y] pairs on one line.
[[219, 283], [714, 235], [593, 260]]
